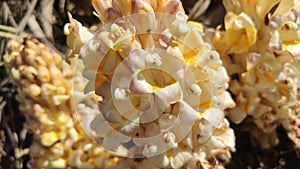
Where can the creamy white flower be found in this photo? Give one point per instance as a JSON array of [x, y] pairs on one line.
[[267, 46], [159, 85]]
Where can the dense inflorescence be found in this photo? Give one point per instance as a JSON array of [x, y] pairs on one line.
[[145, 88], [44, 92], [160, 87], [260, 50]]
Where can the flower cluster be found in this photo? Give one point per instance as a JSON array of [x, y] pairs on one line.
[[159, 86], [44, 92], [260, 49], [147, 86]]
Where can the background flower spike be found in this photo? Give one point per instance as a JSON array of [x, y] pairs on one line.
[[44, 83]]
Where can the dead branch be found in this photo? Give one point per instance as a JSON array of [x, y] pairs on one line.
[[35, 27], [27, 16], [46, 17], [8, 14]]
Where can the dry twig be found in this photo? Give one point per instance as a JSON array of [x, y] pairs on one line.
[[46, 17], [24, 21], [199, 8], [8, 15]]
